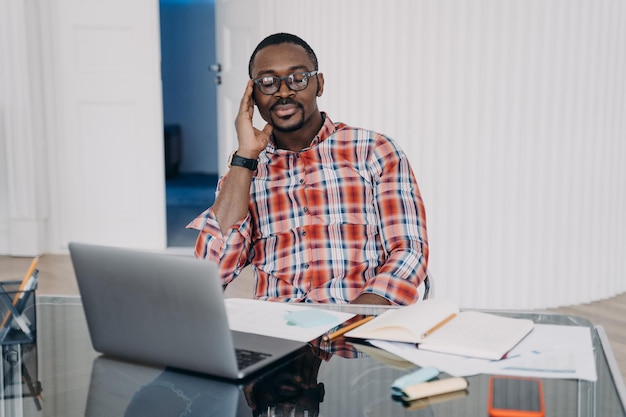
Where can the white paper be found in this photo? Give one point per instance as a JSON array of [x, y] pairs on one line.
[[549, 351], [552, 351], [268, 318]]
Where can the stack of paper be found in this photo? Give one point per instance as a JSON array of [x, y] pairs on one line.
[[549, 351]]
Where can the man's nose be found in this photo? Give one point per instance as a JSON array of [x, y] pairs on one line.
[[284, 90]]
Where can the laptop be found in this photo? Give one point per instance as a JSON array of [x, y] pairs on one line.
[[166, 310]]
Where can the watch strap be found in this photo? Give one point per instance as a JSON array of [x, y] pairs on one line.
[[240, 161]]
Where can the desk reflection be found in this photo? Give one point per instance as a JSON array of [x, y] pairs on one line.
[[128, 389], [19, 378]]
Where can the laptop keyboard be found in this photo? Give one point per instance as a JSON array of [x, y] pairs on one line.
[[247, 358]]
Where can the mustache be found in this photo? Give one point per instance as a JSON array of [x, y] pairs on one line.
[[284, 102]]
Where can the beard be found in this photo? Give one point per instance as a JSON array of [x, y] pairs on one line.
[[295, 125], [288, 128]]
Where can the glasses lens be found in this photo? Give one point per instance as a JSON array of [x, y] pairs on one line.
[[268, 85], [298, 81]]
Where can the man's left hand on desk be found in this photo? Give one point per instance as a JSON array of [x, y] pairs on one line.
[[370, 298]]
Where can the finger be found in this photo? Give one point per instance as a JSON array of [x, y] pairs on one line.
[[246, 100]]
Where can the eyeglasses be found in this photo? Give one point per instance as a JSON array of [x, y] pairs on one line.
[[296, 82]]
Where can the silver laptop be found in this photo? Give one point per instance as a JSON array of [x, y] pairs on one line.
[[166, 310]]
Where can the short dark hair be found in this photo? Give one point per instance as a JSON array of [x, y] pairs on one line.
[[279, 38]]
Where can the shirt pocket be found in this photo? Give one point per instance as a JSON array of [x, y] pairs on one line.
[[341, 194], [277, 206]]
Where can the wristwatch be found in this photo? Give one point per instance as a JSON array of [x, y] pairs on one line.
[[239, 161]]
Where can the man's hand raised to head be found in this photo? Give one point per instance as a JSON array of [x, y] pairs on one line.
[[251, 140]]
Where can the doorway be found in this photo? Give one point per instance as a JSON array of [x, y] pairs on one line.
[[189, 113]]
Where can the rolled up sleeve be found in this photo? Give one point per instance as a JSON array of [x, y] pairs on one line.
[[229, 251]]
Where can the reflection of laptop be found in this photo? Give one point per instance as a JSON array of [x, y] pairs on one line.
[[165, 310], [124, 389]]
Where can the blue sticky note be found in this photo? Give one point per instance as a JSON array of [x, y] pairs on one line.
[[310, 318], [416, 377]]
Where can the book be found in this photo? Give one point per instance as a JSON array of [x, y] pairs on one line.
[[438, 325]]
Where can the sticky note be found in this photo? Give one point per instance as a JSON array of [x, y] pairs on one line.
[[416, 377], [309, 318]]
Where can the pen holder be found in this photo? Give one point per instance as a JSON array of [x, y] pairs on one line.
[[19, 371], [18, 315]]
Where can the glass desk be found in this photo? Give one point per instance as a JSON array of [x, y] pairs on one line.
[[73, 380]]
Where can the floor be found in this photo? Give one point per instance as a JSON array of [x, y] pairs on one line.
[[187, 195]]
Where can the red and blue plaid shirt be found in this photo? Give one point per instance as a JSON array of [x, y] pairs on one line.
[[328, 223]]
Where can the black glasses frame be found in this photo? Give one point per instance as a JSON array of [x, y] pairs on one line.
[[289, 79]]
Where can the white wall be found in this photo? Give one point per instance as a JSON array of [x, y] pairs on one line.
[[23, 157], [4, 191], [512, 113], [82, 128]]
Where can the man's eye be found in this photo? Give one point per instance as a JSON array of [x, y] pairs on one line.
[[298, 78]]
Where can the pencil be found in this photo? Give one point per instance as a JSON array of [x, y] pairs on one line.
[[30, 271], [345, 329], [438, 325]]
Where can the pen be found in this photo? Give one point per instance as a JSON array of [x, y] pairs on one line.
[[438, 326], [345, 329]]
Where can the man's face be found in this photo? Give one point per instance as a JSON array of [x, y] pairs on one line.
[[286, 110]]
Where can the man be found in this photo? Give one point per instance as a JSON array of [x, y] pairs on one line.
[[322, 211]]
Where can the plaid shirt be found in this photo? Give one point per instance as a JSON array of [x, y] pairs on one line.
[[325, 224]]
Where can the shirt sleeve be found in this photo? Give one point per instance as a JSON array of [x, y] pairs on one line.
[[229, 251], [402, 220]]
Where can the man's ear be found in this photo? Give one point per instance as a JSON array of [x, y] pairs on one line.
[[320, 84]]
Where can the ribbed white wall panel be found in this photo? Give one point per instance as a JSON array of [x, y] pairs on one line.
[[23, 133], [513, 114]]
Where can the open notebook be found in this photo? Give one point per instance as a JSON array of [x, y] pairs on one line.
[[438, 325]]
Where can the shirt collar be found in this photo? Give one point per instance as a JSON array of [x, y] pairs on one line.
[[327, 129]]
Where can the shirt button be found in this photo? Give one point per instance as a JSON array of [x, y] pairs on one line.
[[306, 266], [306, 210], [303, 233], [301, 181]]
